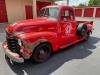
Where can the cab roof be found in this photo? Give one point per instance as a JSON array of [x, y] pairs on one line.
[[60, 6]]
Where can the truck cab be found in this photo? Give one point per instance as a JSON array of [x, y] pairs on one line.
[[38, 38]]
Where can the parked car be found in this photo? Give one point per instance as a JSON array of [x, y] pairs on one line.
[[38, 38]]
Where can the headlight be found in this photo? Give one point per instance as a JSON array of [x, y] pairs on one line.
[[19, 42]]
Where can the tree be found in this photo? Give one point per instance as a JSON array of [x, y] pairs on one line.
[[81, 5], [94, 3]]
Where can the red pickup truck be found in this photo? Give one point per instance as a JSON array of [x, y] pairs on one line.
[[38, 38]]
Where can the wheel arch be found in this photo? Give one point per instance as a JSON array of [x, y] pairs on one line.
[[42, 41], [48, 43], [80, 26]]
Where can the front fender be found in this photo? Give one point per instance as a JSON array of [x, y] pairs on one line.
[[33, 39]]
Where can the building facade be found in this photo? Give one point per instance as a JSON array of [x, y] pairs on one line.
[[91, 12], [15, 10]]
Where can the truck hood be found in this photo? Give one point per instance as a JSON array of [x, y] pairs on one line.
[[31, 25]]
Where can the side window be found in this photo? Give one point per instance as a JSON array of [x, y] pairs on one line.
[[71, 14], [41, 13], [67, 15], [46, 12]]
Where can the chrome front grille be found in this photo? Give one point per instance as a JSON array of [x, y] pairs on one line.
[[12, 43]]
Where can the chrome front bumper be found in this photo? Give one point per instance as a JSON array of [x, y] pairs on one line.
[[13, 56]]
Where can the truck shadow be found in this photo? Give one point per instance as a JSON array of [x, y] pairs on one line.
[[79, 51]]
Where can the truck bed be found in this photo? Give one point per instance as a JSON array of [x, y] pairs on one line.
[[85, 22]]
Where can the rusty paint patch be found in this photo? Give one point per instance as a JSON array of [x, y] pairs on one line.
[[31, 46]]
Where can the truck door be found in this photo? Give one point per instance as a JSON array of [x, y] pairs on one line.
[[68, 27]]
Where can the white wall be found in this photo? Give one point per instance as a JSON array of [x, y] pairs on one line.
[[16, 9]]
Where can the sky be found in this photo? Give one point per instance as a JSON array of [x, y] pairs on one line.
[[73, 2]]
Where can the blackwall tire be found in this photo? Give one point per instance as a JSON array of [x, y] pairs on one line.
[[41, 53], [87, 36], [82, 30]]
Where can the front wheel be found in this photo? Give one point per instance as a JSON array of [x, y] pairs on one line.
[[41, 53]]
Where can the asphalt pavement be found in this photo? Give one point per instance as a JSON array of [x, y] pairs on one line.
[[80, 59]]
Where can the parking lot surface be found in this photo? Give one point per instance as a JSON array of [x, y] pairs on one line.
[[80, 59]]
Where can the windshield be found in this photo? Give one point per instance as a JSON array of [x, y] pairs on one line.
[[49, 12]]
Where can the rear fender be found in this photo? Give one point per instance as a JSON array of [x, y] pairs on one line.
[[89, 26]]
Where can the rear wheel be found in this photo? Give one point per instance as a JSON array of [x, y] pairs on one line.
[[82, 31], [41, 53], [87, 35]]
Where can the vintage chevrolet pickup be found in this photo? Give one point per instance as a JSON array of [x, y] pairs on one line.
[[38, 38]]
